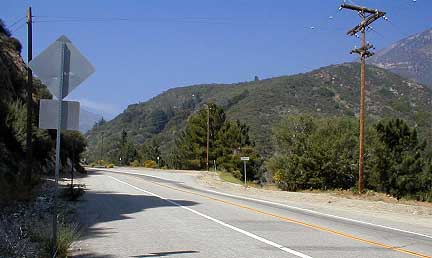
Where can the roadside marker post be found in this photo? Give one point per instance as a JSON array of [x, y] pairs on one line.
[[244, 165], [62, 68]]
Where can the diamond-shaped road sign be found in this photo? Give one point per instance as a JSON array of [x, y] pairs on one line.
[[47, 66], [62, 68], [49, 110]]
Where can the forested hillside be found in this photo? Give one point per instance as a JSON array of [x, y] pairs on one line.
[[328, 91]]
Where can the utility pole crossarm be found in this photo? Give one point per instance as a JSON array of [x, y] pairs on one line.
[[362, 26], [362, 9], [364, 51], [374, 14]]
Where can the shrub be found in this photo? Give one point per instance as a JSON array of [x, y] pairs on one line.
[[101, 162], [150, 164], [3, 29], [321, 153], [238, 174], [135, 163], [110, 165], [72, 193], [17, 45], [314, 153], [194, 164], [67, 234]]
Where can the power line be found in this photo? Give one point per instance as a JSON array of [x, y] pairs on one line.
[[157, 21], [19, 28], [203, 20], [192, 20], [16, 22], [154, 21]]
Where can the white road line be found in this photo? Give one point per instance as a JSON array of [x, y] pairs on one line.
[[140, 174], [321, 214], [244, 232], [300, 209]]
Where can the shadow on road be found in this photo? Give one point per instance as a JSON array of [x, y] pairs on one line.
[[92, 255], [98, 207], [164, 254]]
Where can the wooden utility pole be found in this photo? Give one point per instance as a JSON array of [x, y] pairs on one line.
[[29, 147], [208, 136], [368, 16], [101, 149]]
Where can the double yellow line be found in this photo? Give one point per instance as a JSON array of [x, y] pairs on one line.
[[317, 227]]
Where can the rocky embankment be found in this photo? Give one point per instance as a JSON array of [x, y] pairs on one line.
[[25, 227]]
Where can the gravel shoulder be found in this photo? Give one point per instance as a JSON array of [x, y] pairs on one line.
[[25, 226]]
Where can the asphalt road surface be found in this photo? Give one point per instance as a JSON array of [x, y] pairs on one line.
[[133, 215]]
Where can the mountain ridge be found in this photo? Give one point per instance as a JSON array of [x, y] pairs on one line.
[[328, 91], [410, 57], [87, 120]]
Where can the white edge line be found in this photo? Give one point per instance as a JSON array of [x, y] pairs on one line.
[[244, 232], [322, 214], [140, 174], [298, 208]]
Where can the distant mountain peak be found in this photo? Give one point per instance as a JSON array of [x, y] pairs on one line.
[[87, 120], [410, 57]]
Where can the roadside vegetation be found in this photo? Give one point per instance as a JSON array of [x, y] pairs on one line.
[[228, 141], [25, 202], [228, 177], [322, 153], [15, 183], [310, 153], [67, 234]]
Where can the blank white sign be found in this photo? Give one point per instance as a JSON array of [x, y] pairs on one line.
[[48, 114]]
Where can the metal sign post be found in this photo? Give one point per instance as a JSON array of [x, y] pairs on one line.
[[244, 165], [57, 165], [62, 68]]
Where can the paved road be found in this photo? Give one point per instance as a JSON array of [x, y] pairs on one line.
[[129, 215]]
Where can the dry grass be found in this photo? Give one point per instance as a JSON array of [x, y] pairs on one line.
[[228, 177], [370, 196], [67, 234]]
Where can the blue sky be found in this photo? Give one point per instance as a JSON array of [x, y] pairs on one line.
[[142, 48]]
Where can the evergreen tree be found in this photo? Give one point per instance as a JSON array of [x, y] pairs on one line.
[[149, 152], [128, 152], [399, 167], [314, 153], [228, 141], [232, 143], [192, 143], [322, 153]]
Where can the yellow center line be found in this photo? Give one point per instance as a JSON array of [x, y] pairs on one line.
[[317, 227]]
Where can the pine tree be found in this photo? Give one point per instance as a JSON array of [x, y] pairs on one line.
[[399, 167], [228, 141]]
